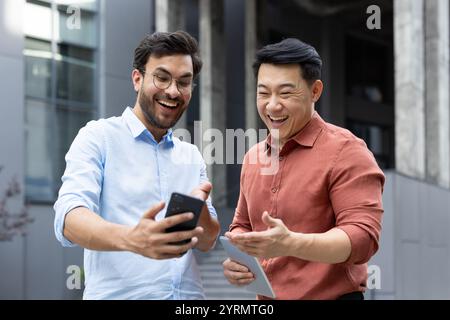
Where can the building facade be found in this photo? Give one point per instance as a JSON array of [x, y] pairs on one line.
[[386, 75]]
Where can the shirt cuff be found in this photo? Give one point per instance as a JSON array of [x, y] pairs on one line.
[[61, 211], [362, 244]]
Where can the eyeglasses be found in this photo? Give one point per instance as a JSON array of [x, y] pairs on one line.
[[164, 80]]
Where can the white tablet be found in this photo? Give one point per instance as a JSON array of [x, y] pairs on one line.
[[261, 284]]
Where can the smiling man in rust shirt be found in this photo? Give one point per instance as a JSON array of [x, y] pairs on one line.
[[315, 220]]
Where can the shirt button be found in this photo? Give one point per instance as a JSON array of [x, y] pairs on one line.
[[274, 190]]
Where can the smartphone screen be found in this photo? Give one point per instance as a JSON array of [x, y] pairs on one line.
[[181, 203]]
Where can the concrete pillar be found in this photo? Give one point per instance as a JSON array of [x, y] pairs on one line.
[[213, 92], [251, 42], [437, 91], [12, 133], [409, 87], [169, 17], [115, 66]]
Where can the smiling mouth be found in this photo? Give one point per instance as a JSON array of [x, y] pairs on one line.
[[168, 104], [277, 120]]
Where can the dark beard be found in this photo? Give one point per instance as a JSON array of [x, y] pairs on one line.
[[148, 109]]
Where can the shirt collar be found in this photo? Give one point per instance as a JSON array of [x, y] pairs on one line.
[[137, 128], [307, 136]]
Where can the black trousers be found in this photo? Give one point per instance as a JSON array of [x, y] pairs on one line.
[[356, 295]]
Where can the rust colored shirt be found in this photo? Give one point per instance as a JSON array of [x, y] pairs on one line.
[[325, 178]]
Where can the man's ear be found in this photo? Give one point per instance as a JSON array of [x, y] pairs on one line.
[[316, 90], [136, 77]]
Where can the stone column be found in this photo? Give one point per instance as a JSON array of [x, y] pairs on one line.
[[437, 91], [409, 87], [213, 93], [116, 49], [12, 141], [169, 17], [251, 42]]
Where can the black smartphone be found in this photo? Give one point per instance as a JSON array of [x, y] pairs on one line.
[[180, 203]]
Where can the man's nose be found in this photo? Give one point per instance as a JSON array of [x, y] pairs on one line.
[[274, 104], [172, 90]]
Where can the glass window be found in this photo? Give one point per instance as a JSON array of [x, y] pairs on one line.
[[38, 20], [75, 80], [38, 141], [38, 64], [88, 5], [68, 122], [71, 51], [367, 76], [378, 139], [85, 35], [60, 73]]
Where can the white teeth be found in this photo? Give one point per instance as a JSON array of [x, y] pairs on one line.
[[167, 103], [277, 118]]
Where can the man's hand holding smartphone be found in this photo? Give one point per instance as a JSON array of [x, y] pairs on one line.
[[179, 204], [150, 238]]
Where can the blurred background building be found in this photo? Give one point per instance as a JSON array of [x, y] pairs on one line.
[[385, 80]]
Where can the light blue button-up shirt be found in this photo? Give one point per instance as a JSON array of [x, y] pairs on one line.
[[116, 169]]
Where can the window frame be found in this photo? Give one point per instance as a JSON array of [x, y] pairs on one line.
[[53, 101]]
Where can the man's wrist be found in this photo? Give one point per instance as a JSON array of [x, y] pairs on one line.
[[300, 243], [122, 242]]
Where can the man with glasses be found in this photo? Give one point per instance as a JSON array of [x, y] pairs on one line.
[[120, 172]]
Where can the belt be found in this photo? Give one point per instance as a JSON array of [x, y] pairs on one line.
[[356, 295]]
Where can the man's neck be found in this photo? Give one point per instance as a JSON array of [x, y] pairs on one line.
[[156, 132], [282, 142]]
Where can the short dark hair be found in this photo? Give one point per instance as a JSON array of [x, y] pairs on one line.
[[161, 44], [290, 51]]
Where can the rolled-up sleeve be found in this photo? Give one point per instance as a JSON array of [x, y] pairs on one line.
[[356, 186], [82, 179]]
